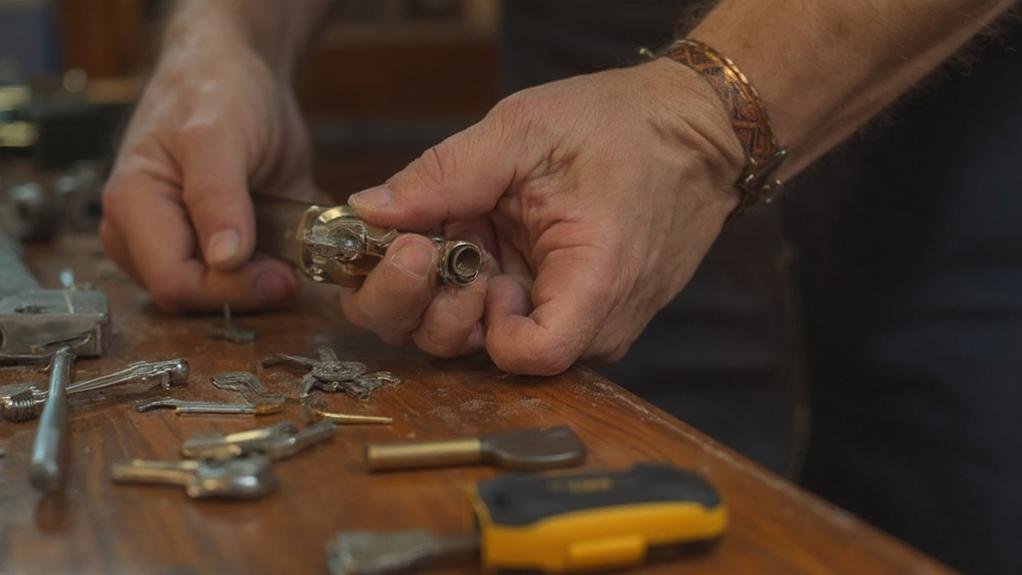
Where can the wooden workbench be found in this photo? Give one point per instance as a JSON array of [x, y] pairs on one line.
[[99, 527]]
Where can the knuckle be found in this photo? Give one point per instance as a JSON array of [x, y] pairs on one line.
[[534, 360], [113, 198], [434, 166], [552, 360], [171, 292], [391, 337], [107, 236], [508, 113], [428, 341], [352, 312], [200, 191], [196, 131]]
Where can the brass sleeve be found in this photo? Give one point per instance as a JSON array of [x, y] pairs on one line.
[[417, 454]]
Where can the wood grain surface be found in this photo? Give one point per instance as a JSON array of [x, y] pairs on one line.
[[97, 526]]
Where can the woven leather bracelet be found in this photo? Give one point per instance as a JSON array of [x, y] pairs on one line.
[[748, 118]]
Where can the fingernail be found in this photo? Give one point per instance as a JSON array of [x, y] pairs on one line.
[[222, 247], [272, 286], [372, 199], [415, 259]]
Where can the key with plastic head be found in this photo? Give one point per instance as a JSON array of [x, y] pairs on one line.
[[276, 441], [543, 448], [238, 478]]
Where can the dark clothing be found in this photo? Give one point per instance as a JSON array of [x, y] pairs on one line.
[[908, 245]]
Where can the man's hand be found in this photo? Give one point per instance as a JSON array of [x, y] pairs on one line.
[[216, 121], [597, 196]]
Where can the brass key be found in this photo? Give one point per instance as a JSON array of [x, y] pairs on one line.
[[276, 441], [240, 478], [544, 448]]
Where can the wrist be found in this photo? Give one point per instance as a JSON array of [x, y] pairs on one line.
[[687, 110], [276, 32]]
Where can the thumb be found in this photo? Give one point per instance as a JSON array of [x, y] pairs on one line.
[[459, 178], [215, 181]]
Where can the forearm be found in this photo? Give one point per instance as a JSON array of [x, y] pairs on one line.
[[278, 30], [824, 68]]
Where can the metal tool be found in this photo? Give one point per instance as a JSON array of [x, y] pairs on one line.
[[328, 373], [184, 407], [33, 211], [46, 469], [35, 321], [316, 414], [543, 448], [276, 441], [556, 523], [238, 478], [22, 402], [372, 553], [244, 382], [230, 331], [333, 244]]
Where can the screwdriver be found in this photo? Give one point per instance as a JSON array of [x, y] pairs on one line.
[[555, 523]]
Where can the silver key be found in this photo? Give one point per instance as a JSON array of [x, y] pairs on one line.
[[22, 402], [184, 407], [241, 478], [276, 441], [328, 373], [240, 381]]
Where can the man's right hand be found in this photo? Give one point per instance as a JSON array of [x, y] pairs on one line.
[[216, 121]]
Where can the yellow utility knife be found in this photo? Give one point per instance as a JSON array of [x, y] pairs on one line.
[[555, 523]]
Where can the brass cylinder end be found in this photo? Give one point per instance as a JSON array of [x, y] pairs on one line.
[[461, 263]]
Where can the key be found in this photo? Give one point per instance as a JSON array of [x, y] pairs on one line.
[[46, 469], [276, 441], [184, 407], [372, 553], [240, 381], [240, 478], [328, 373], [21, 402], [529, 449]]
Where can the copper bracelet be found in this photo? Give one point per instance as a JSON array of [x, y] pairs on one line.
[[747, 114]]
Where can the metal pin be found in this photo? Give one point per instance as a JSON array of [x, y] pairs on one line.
[[183, 407], [46, 470], [231, 332], [313, 413]]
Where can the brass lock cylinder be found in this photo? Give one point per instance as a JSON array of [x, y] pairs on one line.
[[334, 245]]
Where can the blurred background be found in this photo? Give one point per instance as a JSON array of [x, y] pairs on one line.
[[376, 87], [386, 80]]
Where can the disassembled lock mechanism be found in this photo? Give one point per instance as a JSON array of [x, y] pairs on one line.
[[333, 244]]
